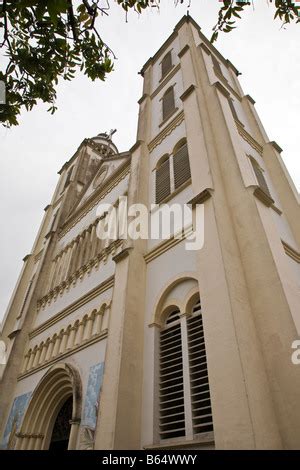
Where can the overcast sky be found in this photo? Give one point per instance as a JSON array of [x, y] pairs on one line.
[[32, 153]]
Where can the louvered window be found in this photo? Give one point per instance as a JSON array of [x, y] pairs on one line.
[[168, 103], [260, 177], [172, 417], [200, 396], [166, 64], [163, 186], [182, 371], [182, 171]]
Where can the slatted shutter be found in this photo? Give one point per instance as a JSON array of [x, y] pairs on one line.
[[200, 395], [162, 186], [182, 171], [166, 64], [168, 103], [260, 177], [172, 418]]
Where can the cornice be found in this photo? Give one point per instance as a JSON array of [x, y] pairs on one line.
[[178, 119], [276, 146], [104, 286], [188, 92], [263, 197]]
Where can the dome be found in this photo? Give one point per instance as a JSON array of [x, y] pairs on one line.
[[104, 144]]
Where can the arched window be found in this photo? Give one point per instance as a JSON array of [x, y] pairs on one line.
[[184, 395], [162, 182], [166, 64], [168, 103], [182, 171]]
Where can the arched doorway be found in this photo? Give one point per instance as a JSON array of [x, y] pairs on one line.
[[62, 427], [53, 415]]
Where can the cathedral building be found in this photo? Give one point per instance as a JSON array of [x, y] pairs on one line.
[[139, 342]]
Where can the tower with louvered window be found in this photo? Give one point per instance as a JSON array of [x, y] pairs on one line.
[[142, 343]]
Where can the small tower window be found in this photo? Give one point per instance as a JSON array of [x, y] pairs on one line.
[[260, 177], [166, 64], [162, 183], [182, 171], [168, 103]]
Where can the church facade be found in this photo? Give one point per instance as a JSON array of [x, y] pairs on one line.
[[139, 342]]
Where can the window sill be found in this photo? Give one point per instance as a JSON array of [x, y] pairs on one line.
[[168, 117], [263, 197], [206, 439], [167, 74]]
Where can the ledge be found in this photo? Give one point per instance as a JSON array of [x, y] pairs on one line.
[[201, 197], [145, 95], [136, 146], [168, 117], [276, 146], [207, 438], [218, 85], [205, 48], [122, 255], [291, 252], [263, 197], [188, 92], [249, 98], [26, 257], [183, 51], [47, 207]]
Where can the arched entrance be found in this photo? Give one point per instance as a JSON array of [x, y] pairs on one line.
[[62, 427], [53, 415]]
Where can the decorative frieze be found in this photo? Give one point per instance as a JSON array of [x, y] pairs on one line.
[[92, 326], [79, 274]]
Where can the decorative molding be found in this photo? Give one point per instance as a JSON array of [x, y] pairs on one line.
[[248, 138], [291, 252], [183, 51], [263, 197], [165, 80], [79, 274], [166, 131], [61, 356], [167, 245], [95, 199], [201, 197], [104, 286], [188, 92]]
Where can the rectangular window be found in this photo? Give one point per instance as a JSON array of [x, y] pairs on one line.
[[168, 103], [182, 171], [163, 185], [166, 64], [260, 177]]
